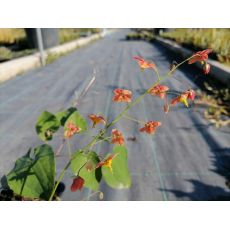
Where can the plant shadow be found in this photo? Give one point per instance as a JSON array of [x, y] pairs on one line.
[[199, 192]]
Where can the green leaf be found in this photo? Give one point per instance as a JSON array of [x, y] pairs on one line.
[[34, 176], [77, 120], [86, 163], [119, 177], [47, 125], [62, 116]]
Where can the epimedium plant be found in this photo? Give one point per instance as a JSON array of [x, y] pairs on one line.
[[34, 174]]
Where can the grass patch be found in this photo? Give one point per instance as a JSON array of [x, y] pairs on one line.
[[9, 36], [51, 57], [69, 34], [13, 44], [197, 39], [141, 34], [216, 105]]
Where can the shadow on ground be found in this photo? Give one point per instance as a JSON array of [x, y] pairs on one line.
[[200, 192], [220, 157]]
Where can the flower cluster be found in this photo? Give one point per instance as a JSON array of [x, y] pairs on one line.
[[125, 95]]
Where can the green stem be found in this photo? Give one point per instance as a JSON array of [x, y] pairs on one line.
[[133, 119], [69, 148], [59, 180], [158, 76], [174, 68], [107, 138]]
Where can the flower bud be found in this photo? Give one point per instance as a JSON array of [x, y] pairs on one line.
[[166, 108], [77, 184], [206, 68]]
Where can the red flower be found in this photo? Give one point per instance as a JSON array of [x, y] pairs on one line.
[[71, 130], [122, 95], [206, 68], [96, 119], [181, 98], [189, 94], [77, 184], [144, 64], [200, 56], [107, 162], [150, 127], [159, 90], [117, 137]]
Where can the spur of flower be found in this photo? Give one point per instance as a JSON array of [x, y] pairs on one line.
[[150, 127], [117, 137], [96, 119], [200, 56], [159, 90], [144, 64], [77, 184], [71, 130], [122, 95], [182, 98], [107, 162]]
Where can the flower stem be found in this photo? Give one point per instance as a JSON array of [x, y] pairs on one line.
[[59, 180], [132, 119], [69, 148]]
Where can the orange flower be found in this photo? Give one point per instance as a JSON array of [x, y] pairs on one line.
[[206, 68], [77, 184], [200, 56], [122, 95], [181, 98], [144, 64], [189, 94], [107, 162], [71, 130], [117, 137], [150, 127], [96, 119], [159, 90]]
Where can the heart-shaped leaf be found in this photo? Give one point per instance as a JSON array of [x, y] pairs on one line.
[[33, 176], [119, 176]]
